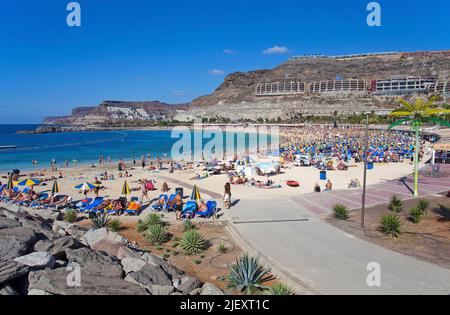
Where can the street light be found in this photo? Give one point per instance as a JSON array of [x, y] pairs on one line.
[[366, 149]]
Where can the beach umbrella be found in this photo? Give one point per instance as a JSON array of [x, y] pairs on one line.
[[55, 188], [195, 195], [29, 182], [85, 186], [10, 184], [125, 189]]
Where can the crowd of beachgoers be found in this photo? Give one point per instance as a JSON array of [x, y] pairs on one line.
[[156, 183]]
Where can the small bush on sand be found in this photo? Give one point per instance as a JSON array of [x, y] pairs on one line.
[[188, 225], [222, 248], [340, 211], [70, 216], [115, 225], [100, 220], [396, 204], [415, 215], [423, 205], [156, 235], [151, 219], [279, 289], [193, 243], [390, 225]]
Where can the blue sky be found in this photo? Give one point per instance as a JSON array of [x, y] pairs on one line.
[[177, 50]]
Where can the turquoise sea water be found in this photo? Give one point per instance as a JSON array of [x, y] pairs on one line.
[[85, 147]]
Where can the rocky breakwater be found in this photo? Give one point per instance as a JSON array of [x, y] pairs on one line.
[[42, 255]]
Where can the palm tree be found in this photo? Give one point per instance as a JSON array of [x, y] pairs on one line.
[[417, 114]]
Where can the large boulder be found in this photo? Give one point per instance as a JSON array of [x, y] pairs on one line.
[[131, 264], [8, 290], [124, 252], [16, 242], [58, 246], [149, 275], [105, 241], [10, 270], [7, 223], [211, 289], [171, 270], [37, 260], [186, 284], [61, 281], [94, 236], [95, 262]]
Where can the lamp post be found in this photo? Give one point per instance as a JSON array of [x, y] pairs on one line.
[[366, 149]]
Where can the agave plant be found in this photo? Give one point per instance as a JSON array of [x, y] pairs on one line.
[[417, 114], [193, 243], [100, 221], [151, 219], [156, 235], [222, 248], [423, 205], [340, 211], [70, 216], [247, 275], [396, 204], [188, 225], [415, 215], [390, 225], [115, 225], [279, 289]]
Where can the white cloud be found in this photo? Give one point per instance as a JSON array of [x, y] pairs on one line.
[[179, 93], [230, 52], [216, 72], [276, 50]]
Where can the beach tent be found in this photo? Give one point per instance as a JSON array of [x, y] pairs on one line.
[[55, 188], [10, 184], [125, 189], [195, 195], [85, 186], [29, 182]]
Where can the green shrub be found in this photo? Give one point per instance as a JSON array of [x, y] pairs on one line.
[[175, 252], [166, 255], [100, 221], [115, 225], [151, 219], [340, 211], [415, 215], [156, 235], [197, 261], [390, 225], [193, 243], [279, 289], [423, 205], [396, 204], [222, 248], [188, 225], [247, 275], [70, 216]]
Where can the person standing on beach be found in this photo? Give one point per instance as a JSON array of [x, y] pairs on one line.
[[227, 196], [143, 162], [144, 190]]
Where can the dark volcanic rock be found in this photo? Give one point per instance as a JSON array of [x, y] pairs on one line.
[[149, 275], [56, 282], [95, 262], [57, 247], [7, 223], [10, 270], [16, 242], [171, 270]]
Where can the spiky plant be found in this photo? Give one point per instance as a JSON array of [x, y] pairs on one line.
[[151, 219], [279, 289], [423, 205], [222, 248], [100, 221], [188, 225], [390, 225], [247, 275], [193, 243], [340, 211], [70, 216], [415, 215], [115, 225], [396, 204], [156, 235]]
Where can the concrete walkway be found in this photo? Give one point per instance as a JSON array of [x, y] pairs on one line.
[[324, 259]]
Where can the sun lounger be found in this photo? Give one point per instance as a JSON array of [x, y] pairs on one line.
[[190, 207], [212, 207], [97, 202], [133, 208], [167, 207], [160, 207]]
